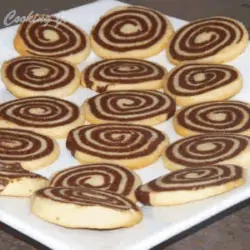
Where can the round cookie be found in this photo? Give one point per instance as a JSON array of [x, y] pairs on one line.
[[211, 40], [192, 83], [131, 32], [27, 76], [123, 74], [15, 181], [131, 146], [208, 149], [103, 176], [135, 107], [207, 117], [187, 185], [84, 208], [50, 36], [32, 150], [42, 114]]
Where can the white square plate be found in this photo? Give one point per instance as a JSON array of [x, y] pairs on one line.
[[159, 224]]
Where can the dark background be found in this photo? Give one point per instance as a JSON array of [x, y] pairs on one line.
[[227, 231]]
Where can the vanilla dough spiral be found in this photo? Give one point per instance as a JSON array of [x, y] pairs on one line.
[[132, 146], [219, 116], [193, 83], [131, 32], [48, 115], [137, 107], [123, 74], [29, 76], [213, 40], [55, 38], [208, 149], [103, 176]]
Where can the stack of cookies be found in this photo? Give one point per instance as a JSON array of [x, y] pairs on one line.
[[112, 133]]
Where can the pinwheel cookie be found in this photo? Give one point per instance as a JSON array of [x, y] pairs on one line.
[[103, 176], [131, 32], [221, 116], [32, 150], [56, 38], [136, 107], [27, 76], [123, 74], [132, 146], [208, 149], [192, 83], [15, 181], [85, 208], [189, 185], [43, 114], [211, 40]]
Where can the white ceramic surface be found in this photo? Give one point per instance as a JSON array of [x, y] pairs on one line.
[[159, 224]]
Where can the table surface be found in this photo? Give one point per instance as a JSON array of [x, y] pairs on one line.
[[226, 231]]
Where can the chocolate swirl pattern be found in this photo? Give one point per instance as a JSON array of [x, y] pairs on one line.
[[48, 115], [16, 181], [131, 31], [224, 116], [32, 150], [87, 197], [104, 176], [195, 82], [208, 149], [85, 208], [132, 146], [14, 170], [28, 76], [121, 74], [214, 40], [137, 107], [57, 38], [195, 180]]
